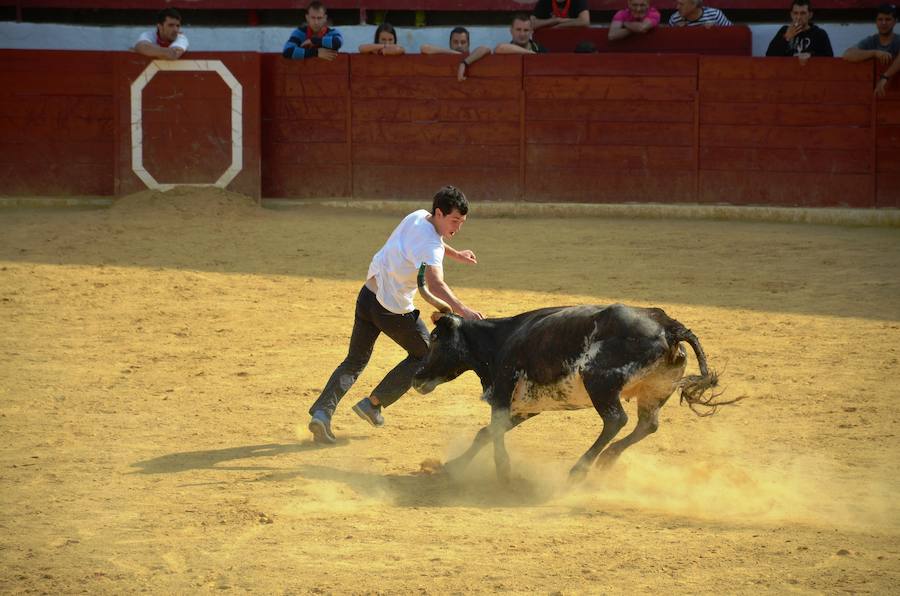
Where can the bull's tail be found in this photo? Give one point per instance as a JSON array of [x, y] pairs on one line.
[[697, 390]]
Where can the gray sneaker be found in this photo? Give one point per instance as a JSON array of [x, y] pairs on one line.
[[368, 412], [320, 427]]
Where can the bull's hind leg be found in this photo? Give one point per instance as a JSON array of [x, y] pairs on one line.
[[501, 422], [614, 418], [648, 423]]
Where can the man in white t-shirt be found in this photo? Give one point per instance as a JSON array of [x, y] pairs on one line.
[[385, 305], [167, 42]]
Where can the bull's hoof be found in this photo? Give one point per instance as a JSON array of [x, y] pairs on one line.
[[454, 467], [577, 474], [431, 466]]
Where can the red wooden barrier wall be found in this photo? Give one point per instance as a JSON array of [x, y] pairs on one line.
[[588, 128], [56, 123], [887, 162], [775, 132], [417, 128], [187, 122], [613, 128], [305, 113]]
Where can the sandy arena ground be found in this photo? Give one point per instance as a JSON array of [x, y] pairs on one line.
[[157, 359]]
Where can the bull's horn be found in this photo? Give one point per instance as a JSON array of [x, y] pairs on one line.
[[428, 296]]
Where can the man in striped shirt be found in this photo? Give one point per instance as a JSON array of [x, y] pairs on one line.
[[314, 40], [692, 13]]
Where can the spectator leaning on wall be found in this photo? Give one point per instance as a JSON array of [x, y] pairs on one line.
[[459, 44], [692, 13], [884, 46], [568, 13], [638, 18], [521, 42], [385, 42], [167, 42], [885, 78], [313, 39], [801, 38]]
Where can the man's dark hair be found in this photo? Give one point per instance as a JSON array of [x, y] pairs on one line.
[[521, 16], [315, 5], [449, 198], [167, 12], [805, 3], [387, 28], [888, 9], [460, 30]]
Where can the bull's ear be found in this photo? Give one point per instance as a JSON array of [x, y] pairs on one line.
[[436, 316]]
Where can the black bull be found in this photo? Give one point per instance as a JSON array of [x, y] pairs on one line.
[[568, 358]]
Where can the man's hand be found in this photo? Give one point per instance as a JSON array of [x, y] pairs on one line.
[[326, 54], [461, 72], [880, 87], [466, 256], [307, 43], [883, 57], [792, 31], [470, 314]]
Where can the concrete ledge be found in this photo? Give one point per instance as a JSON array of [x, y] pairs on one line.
[[54, 202], [888, 218], [818, 215]]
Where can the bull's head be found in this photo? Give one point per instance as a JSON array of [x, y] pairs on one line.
[[447, 354], [447, 349]]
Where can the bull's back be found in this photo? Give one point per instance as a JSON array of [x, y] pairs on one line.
[[555, 350]]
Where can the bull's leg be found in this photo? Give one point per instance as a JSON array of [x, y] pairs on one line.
[[648, 423], [482, 438], [501, 422], [614, 418]]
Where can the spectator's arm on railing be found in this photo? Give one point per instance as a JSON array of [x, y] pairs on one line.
[[617, 30], [427, 48], [511, 48], [385, 49], [479, 53], [538, 23], [297, 47], [884, 79], [145, 48], [582, 20], [855, 54]]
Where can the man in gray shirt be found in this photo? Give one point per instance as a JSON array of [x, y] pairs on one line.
[[884, 46]]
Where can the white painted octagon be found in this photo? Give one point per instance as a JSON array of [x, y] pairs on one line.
[[137, 133]]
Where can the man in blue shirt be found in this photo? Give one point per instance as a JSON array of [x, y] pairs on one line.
[[884, 46], [314, 39]]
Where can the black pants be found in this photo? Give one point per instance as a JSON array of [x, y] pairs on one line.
[[372, 319]]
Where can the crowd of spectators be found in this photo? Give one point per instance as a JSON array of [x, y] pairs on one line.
[[800, 38]]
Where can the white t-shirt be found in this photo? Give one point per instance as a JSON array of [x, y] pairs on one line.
[[395, 266], [180, 41]]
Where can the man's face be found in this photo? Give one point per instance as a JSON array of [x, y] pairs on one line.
[[386, 37], [685, 7], [448, 225], [638, 8], [169, 29], [800, 15], [885, 23], [521, 32], [315, 18], [459, 42]]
